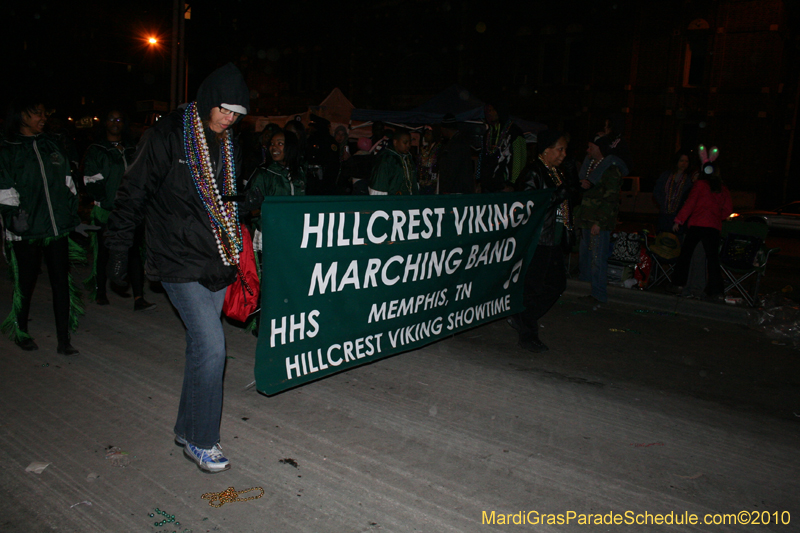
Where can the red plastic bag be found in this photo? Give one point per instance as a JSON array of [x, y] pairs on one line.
[[642, 271], [241, 298]]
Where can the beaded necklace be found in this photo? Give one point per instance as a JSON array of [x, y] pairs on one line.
[[593, 164], [558, 178], [224, 216], [675, 191]]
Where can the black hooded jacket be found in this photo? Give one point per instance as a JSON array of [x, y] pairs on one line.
[[158, 188]]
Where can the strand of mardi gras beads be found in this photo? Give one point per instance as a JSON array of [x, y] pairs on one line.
[[230, 495], [223, 216]]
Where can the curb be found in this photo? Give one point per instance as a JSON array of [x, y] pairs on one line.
[[665, 302]]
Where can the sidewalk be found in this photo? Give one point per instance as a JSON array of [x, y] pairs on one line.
[[734, 314]]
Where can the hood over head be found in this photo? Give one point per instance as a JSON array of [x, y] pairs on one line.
[[225, 85]]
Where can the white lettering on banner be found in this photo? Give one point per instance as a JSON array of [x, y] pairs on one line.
[[412, 224], [467, 316], [414, 267], [500, 252], [402, 225], [407, 306], [415, 332], [296, 324], [314, 361], [487, 218]]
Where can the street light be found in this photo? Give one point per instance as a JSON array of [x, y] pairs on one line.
[[152, 40]]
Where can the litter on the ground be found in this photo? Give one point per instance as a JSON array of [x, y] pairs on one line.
[[699, 474], [659, 313], [84, 502], [92, 476], [37, 467], [646, 444], [117, 456], [778, 317], [289, 461], [616, 330]]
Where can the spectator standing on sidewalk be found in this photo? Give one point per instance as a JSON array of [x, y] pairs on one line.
[[708, 206], [671, 190], [596, 216]]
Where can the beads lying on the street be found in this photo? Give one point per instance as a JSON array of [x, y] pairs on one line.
[[167, 519]]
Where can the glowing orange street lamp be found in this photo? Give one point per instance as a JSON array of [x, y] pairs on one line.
[[152, 40]]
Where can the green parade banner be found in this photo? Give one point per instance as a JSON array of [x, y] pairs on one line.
[[348, 281]]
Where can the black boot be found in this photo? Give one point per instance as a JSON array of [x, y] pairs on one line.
[[27, 344], [532, 344], [65, 348]]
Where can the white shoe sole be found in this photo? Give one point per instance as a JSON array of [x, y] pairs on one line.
[[203, 468]]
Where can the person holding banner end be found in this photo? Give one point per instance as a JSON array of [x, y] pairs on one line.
[[546, 277], [179, 184]]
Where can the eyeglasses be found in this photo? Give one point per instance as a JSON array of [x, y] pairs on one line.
[[227, 112], [114, 119]]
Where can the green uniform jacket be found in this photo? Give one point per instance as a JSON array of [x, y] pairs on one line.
[[35, 177], [275, 181], [600, 204], [104, 166], [394, 173]]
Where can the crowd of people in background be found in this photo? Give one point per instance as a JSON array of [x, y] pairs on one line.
[[448, 157], [170, 199]]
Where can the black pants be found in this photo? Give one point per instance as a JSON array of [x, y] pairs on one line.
[[710, 239], [29, 261], [135, 267], [545, 281]]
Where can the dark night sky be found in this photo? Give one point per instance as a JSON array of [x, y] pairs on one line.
[[93, 53]]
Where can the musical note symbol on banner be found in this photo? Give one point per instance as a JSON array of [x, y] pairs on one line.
[[514, 274]]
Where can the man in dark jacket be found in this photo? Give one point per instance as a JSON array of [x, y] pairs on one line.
[[184, 168], [596, 216]]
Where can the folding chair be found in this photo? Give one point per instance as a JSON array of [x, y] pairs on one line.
[[744, 255], [662, 267]]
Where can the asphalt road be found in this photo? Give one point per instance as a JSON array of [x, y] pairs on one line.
[[630, 411]]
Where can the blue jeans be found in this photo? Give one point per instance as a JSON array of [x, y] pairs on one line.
[[594, 252], [200, 410]]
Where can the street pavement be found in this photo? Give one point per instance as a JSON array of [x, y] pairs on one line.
[[639, 407]]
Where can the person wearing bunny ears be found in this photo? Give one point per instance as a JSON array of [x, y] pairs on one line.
[[708, 205]]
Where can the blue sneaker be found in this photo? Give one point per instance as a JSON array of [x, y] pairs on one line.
[[208, 460], [180, 441]]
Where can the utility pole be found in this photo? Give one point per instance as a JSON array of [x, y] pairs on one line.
[[178, 68], [173, 72]]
